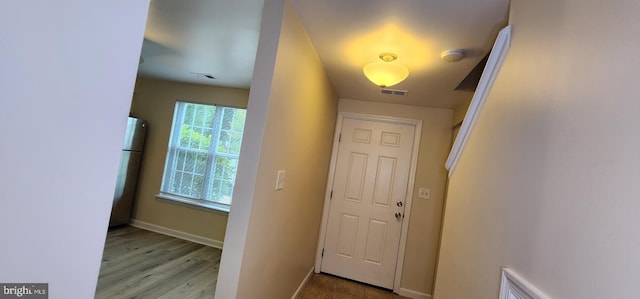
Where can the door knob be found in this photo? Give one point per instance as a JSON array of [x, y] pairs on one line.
[[398, 215], [399, 204]]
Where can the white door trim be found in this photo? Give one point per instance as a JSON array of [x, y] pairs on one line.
[[409, 196]]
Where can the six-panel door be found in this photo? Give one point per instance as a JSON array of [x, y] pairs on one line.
[[366, 211]]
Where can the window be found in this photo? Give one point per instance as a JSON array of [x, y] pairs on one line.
[[202, 156]]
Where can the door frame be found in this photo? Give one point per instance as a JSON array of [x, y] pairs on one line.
[[408, 197]]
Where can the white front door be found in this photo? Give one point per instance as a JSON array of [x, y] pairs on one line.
[[367, 205]]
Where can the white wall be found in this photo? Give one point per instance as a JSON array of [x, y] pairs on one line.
[[67, 72], [238, 221], [271, 236], [548, 184]]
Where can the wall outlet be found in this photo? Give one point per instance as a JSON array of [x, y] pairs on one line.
[[280, 179], [424, 193]]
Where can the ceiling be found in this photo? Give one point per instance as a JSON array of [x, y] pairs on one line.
[[214, 37], [219, 38]]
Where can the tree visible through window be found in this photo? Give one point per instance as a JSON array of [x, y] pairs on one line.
[[203, 152]]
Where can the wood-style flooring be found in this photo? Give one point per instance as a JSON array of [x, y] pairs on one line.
[[141, 264]]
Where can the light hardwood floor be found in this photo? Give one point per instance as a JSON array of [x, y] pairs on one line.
[[141, 264]]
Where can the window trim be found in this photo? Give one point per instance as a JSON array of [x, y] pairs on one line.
[[201, 204], [191, 202]]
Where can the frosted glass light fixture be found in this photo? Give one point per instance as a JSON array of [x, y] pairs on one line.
[[386, 73]]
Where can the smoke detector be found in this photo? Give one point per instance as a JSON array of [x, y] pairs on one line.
[[452, 55]]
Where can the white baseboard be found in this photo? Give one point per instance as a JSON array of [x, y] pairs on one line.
[[413, 294], [175, 233], [302, 285]]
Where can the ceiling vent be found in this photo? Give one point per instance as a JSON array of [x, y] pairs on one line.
[[395, 92], [205, 75]]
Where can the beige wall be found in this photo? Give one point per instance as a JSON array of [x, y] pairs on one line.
[[460, 111], [272, 235], [548, 184], [154, 100], [424, 225]]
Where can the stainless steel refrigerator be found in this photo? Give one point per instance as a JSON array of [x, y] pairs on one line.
[[128, 171]]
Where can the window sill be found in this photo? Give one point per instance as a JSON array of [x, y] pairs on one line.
[[194, 203]]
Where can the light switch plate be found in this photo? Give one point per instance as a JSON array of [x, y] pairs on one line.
[[280, 179], [424, 193]]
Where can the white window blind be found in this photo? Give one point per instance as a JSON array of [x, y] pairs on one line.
[[202, 156]]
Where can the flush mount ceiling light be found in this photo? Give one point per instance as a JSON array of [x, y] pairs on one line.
[[386, 72], [452, 55]]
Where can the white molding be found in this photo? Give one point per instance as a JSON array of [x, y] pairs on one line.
[[379, 118], [302, 284], [512, 283], [175, 233], [497, 56], [413, 294], [410, 185], [192, 203], [327, 194], [408, 200]]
